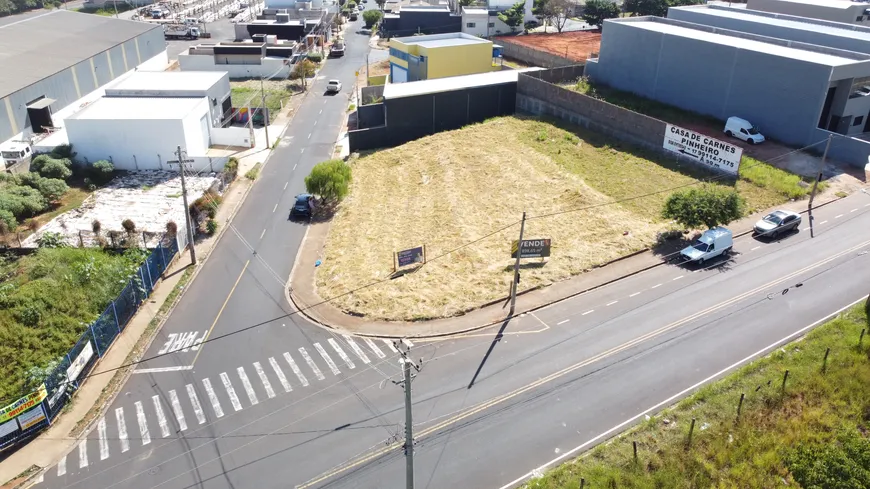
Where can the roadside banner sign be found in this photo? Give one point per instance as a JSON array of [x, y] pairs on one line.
[[532, 248], [13, 410], [32, 417], [8, 428], [411, 256], [79, 363], [712, 153]]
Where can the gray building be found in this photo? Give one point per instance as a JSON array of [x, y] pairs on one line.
[[790, 90], [52, 60], [832, 10], [812, 31]]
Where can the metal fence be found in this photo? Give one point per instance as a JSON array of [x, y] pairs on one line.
[[30, 414]]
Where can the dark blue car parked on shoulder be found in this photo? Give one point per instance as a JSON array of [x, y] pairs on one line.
[[302, 207]]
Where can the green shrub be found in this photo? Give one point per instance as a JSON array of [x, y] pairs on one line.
[[211, 227], [705, 206], [8, 223], [372, 17], [329, 179], [841, 465], [315, 57], [51, 167], [21, 201], [102, 170], [51, 240], [254, 172]]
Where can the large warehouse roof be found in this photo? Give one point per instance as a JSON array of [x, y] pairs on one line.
[[673, 28], [37, 47], [176, 81], [116, 108]]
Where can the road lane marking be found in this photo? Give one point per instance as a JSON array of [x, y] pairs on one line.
[[356, 349], [584, 363], [261, 234], [234, 399], [162, 369], [374, 348], [294, 165], [326, 358], [341, 353], [677, 278], [61, 467], [669, 400], [822, 222], [866, 205], [265, 380], [391, 346], [249, 389], [753, 249], [611, 303], [212, 397], [143, 423], [309, 135], [221, 311], [656, 285], [636, 293], [194, 401], [122, 433], [315, 122], [83, 454], [853, 210], [161, 418], [807, 228], [280, 373], [407, 343], [275, 208], [285, 185], [104, 443], [562, 322], [590, 311], [296, 369], [321, 111], [176, 408], [303, 150]]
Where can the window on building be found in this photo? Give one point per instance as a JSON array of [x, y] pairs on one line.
[[858, 120], [492, 24], [860, 18], [860, 87], [471, 25]]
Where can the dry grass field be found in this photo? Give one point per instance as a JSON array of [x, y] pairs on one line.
[[451, 190]]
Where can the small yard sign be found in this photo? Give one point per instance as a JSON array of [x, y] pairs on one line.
[[710, 152], [532, 248], [410, 256]]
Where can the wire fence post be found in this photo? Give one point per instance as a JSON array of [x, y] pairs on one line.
[[740, 405], [115, 313], [825, 360], [96, 343], [162, 256], [150, 278], [861, 338]]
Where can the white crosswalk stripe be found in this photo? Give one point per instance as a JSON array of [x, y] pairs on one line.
[[407, 343], [280, 373], [356, 349], [61, 467], [161, 418], [375, 348], [265, 380], [83, 454], [234, 399], [176, 408], [143, 424], [341, 353], [122, 432], [326, 358], [296, 369], [391, 346], [194, 401], [104, 443], [212, 397], [249, 389]]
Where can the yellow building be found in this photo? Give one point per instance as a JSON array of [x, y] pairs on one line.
[[438, 56]]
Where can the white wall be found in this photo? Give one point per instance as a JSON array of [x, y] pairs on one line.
[[480, 25], [129, 144], [231, 136], [504, 4], [157, 63], [270, 67]]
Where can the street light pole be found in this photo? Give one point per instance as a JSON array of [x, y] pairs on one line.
[[407, 364], [516, 280]]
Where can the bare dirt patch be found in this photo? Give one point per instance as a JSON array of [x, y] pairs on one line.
[[575, 45]]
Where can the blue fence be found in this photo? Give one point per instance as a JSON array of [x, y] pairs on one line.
[[34, 414]]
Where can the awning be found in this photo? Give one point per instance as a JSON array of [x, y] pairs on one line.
[[41, 103]]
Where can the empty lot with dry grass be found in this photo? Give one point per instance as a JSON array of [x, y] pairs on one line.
[[451, 191]]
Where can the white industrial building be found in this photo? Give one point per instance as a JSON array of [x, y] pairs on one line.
[[240, 59], [482, 22]]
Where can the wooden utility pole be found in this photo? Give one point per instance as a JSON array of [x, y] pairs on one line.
[[516, 281], [181, 161]]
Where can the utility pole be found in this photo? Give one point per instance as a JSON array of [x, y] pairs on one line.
[[516, 281], [407, 364], [816, 183], [266, 114], [181, 162]]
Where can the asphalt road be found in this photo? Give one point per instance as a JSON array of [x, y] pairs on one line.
[[274, 402]]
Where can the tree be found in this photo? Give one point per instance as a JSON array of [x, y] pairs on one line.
[[372, 17], [658, 8], [539, 10], [381, 3], [843, 464], [51, 188], [558, 12], [465, 3], [706, 206], [304, 69], [597, 11], [513, 17], [329, 179], [7, 221], [51, 167]]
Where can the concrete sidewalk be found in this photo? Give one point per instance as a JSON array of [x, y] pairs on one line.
[[302, 293]]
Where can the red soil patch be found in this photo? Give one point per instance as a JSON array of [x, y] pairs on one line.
[[575, 45]]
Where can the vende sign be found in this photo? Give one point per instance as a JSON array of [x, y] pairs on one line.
[[713, 153]]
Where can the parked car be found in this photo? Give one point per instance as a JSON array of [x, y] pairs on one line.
[[333, 86], [777, 222], [712, 243], [743, 129], [302, 207]]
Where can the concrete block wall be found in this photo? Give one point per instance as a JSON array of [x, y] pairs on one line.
[[530, 56], [376, 92]]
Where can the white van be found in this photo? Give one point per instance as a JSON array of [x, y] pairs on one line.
[[742, 129], [714, 242]]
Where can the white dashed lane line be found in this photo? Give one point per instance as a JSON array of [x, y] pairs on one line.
[[590, 311], [822, 222], [636, 293], [677, 278], [275, 208], [562, 322], [753, 249], [839, 216], [611, 303], [853, 210], [656, 285], [285, 185]]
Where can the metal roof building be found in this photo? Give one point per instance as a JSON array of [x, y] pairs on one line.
[[790, 90], [833, 10], [54, 59]]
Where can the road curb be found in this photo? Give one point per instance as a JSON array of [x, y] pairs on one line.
[[301, 310]]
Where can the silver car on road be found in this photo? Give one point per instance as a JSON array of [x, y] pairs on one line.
[[777, 223]]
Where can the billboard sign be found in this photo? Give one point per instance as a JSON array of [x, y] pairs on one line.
[[712, 153], [13, 410], [79, 363], [32, 417], [532, 248], [410, 256]]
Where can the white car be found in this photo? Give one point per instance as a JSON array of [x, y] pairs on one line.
[[333, 86], [743, 129], [714, 242]]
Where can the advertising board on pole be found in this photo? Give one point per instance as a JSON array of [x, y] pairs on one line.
[[13, 410], [411, 256], [8, 428], [32, 417], [712, 153], [532, 248], [79, 363]]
